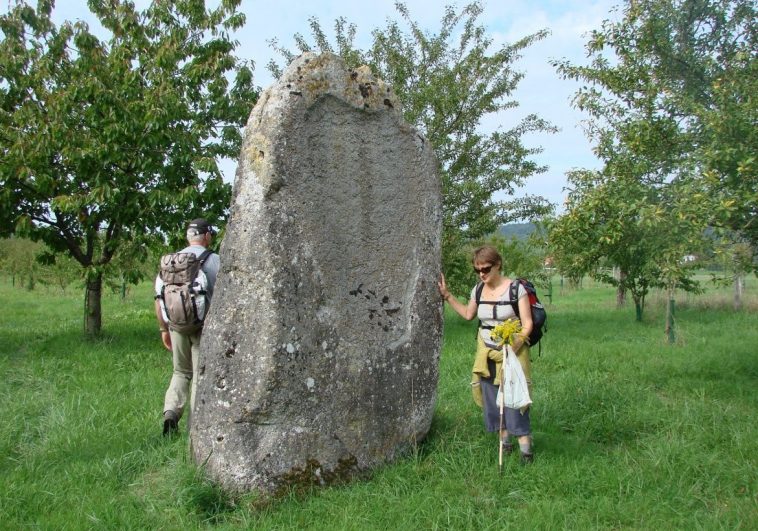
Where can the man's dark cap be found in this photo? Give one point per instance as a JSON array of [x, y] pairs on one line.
[[201, 226]]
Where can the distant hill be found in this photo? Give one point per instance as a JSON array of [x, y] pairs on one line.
[[520, 231]]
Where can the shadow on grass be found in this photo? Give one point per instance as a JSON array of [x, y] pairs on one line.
[[204, 498], [170, 479]]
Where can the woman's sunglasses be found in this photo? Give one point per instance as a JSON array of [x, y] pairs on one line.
[[484, 270]]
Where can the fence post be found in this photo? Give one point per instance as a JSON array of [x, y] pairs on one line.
[[550, 290]]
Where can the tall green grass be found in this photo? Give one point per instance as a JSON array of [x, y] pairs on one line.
[[630, 432]]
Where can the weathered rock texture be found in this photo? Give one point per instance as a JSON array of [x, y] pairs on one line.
[[320, 353]]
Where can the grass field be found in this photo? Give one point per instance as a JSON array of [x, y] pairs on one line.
[[630, 432]]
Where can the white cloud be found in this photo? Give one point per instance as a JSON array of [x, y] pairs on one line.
[[542, 91]]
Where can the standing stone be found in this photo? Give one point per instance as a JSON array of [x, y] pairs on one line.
[[319, 358]]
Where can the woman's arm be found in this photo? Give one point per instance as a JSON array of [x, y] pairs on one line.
[[467, 311]]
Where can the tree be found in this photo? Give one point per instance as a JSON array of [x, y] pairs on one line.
[[18, 260], [674, 83], [104, 141], [447, 83], [601, 227], [60, 273], [670, 94], [621, 221], [134, 261]]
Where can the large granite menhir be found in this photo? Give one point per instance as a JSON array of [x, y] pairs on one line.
[[320, 354]]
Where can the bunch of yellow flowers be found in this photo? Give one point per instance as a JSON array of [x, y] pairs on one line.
[[505, 331]]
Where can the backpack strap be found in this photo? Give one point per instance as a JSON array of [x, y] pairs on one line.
[[478, 298], [495, 304], [204, 256], [513, 296], [514, 301], [478, 293]]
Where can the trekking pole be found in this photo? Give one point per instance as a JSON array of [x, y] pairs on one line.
[[502, 403]]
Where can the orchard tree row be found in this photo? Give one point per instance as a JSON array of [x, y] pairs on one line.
[[23, 263], [670, 93], [112, 140]]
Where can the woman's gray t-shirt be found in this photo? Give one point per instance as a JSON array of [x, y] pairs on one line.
[[494, 314]]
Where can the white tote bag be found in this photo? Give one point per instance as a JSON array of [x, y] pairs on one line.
[[514, 382]]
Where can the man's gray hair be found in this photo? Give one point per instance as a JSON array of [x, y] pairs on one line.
[[194, 235]]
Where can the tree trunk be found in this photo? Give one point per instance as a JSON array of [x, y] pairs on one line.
[[739, 283], [92, 305], [620, 297], [620, 290], [670, 334], [638, 303]]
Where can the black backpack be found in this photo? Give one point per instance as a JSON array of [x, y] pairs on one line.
[[539, 316]]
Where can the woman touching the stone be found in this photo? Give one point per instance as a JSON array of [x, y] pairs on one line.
[[493, 308]]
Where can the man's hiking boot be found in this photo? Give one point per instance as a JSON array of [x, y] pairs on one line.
[[170, 423], [527, 458], [507, 447]]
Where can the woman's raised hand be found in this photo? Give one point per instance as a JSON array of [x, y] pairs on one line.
[[442, 286]]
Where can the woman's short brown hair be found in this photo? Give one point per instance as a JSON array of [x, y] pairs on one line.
[[486, 254]]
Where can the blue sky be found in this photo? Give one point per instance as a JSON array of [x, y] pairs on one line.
[[541, 90]]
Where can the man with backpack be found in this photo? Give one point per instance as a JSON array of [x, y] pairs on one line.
[[183, 291]]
